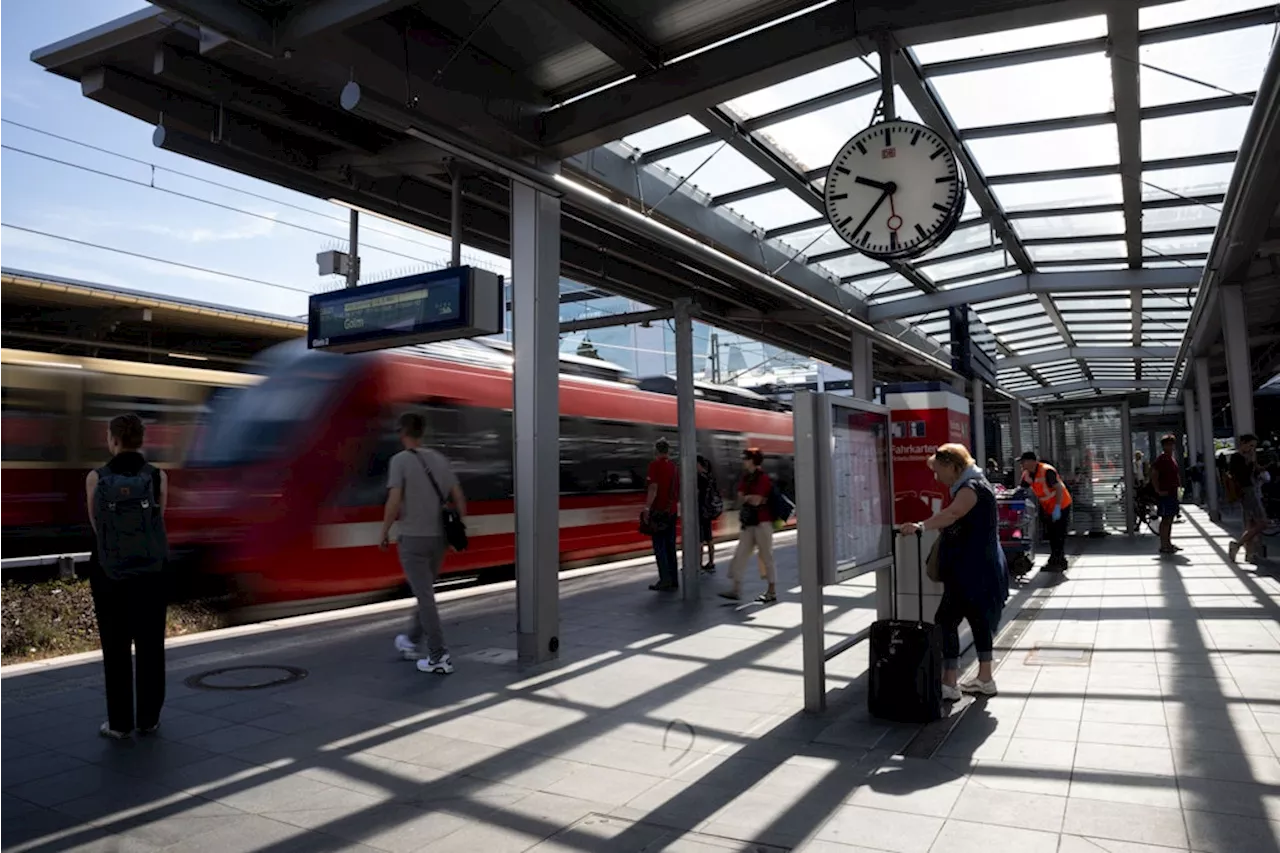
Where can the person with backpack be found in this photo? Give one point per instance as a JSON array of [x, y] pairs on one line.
[[126, 501], [756, 499], [424, 495], [710, 507]]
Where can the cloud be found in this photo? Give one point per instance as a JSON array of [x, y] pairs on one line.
[[249, 230]]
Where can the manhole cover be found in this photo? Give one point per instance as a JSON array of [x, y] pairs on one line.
[[246, 677], [1059, 656], [498, 656]]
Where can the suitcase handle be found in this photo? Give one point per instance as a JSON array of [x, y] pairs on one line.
[[893, 580]]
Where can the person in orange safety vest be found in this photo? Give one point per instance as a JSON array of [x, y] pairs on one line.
[[1055, 506]]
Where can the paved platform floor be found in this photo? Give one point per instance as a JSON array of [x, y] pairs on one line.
[[1139, 712]]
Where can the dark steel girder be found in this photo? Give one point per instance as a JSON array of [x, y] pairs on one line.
[[789, 49], [1122, 25], [1182, 108]]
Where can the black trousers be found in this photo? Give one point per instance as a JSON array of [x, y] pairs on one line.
[[1057, 534], [131, 613]]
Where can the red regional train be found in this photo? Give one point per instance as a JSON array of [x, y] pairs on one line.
[[283, 489], [278, 476]]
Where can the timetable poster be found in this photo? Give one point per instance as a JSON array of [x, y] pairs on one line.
[[860, 481]]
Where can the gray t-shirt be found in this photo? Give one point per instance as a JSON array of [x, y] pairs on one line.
[[420, 512]]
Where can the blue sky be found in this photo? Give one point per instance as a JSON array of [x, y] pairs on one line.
[[129, 215]]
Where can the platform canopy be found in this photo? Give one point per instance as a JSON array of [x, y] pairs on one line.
[[1110, 149]]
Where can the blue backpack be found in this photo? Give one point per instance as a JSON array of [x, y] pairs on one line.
[[780, 506], [131, 536]]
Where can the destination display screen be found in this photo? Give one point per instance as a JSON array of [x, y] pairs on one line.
[[420, 308]]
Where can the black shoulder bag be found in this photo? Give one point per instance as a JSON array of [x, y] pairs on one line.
[[455, 529]]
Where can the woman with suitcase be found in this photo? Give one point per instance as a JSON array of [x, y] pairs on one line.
[[970, 564]]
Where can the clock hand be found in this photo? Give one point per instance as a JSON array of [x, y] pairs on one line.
[[867, 182], [872, 211]]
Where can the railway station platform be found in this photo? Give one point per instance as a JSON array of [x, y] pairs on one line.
[[1139, 712]]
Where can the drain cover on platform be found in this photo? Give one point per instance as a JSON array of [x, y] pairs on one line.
[[498, 656], [254, 677], [1055, 655]]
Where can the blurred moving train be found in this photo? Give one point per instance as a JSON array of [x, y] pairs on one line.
[[281, 478]]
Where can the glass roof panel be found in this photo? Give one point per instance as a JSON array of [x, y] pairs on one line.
[[1233, 60], [1051, 149], [1071, 192], [1007, 40], [1029, 91], [1196, 133], [1190, 216], [1021, 324], [804, 87], [1177, 245], [887, 290], [963, 239], [1100, 267], [1003, 272], [1076, 251], [773, 209], [715, 169], [1186, 181], [827, 240], [1079, 225], [991, 316], [1150, 17], [814, 139], [965, 266], [1150, 264], [667, 133], [855, 264]]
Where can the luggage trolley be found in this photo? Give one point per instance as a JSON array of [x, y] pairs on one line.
[[1017, 517]]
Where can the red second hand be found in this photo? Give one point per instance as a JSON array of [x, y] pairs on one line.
[[893, 214]]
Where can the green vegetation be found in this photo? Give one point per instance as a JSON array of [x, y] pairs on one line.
[[56, 618]]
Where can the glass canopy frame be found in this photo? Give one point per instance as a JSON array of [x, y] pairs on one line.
[[1098, 144]]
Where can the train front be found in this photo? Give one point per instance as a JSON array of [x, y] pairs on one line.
[[242, 523]]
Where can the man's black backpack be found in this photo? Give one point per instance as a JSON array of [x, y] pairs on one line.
[[131, 536]]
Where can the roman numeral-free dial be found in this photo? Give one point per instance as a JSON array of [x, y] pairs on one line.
[[894, 191]]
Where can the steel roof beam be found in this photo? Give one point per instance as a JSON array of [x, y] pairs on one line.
[[1182, 108], [233, 21], [1089, 352], [1122, 26], [1149, 204], [604, 30], [1034, 284], [319, 17], [1091, 385], [1103, 171], [808, 42], [608, 321]]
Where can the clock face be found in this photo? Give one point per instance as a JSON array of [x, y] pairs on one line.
[[894, 191]]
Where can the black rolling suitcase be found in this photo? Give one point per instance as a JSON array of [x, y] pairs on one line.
[[905, 678]]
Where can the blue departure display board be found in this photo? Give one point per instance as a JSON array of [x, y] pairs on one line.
[[420, 308]]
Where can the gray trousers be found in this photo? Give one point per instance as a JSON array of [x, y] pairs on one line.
[[420, 557]]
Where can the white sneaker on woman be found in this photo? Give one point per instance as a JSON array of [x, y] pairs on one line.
[[984, 688], [951, 693]]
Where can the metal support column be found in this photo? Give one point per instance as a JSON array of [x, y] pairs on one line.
[[862, 357], [535, 296], [978, 429], [1193, 434], [1235, 341], [809, 544], [1045, 449], [1204, 398], [1126, 457], [455, 216], [353, 249], [688, 430], [1015, 432]]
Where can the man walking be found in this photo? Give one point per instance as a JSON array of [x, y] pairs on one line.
[[418, 481], [1167, 480], [1244, 473]]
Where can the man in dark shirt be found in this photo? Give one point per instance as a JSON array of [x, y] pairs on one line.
[[1243, 470], [1167, 479]]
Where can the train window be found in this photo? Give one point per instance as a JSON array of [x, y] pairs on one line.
[[169, 423], [36, 425], [603, 456], [476, 441]]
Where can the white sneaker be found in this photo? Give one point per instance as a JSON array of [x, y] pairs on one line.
[[951, 694], [973, 685], [407, 648], [441, 665]]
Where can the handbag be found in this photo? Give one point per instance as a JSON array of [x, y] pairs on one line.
[[455, 529], [931, 567]]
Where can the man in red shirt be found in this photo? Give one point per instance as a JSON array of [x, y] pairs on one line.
[[660, 512], [1167, 479]]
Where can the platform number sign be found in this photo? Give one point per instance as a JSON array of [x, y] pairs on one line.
[[895, 191]]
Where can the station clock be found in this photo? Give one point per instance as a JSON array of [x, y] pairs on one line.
[[895, 191]]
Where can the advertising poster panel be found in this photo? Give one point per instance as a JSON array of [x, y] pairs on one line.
[[923, 416], [860, 482]]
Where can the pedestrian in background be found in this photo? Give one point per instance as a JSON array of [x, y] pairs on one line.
[[659, 515], [755, 533], [710, 507], [1166, 479]]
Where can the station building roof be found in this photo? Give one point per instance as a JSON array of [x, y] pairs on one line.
[[1122, 158], [47, 313]]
